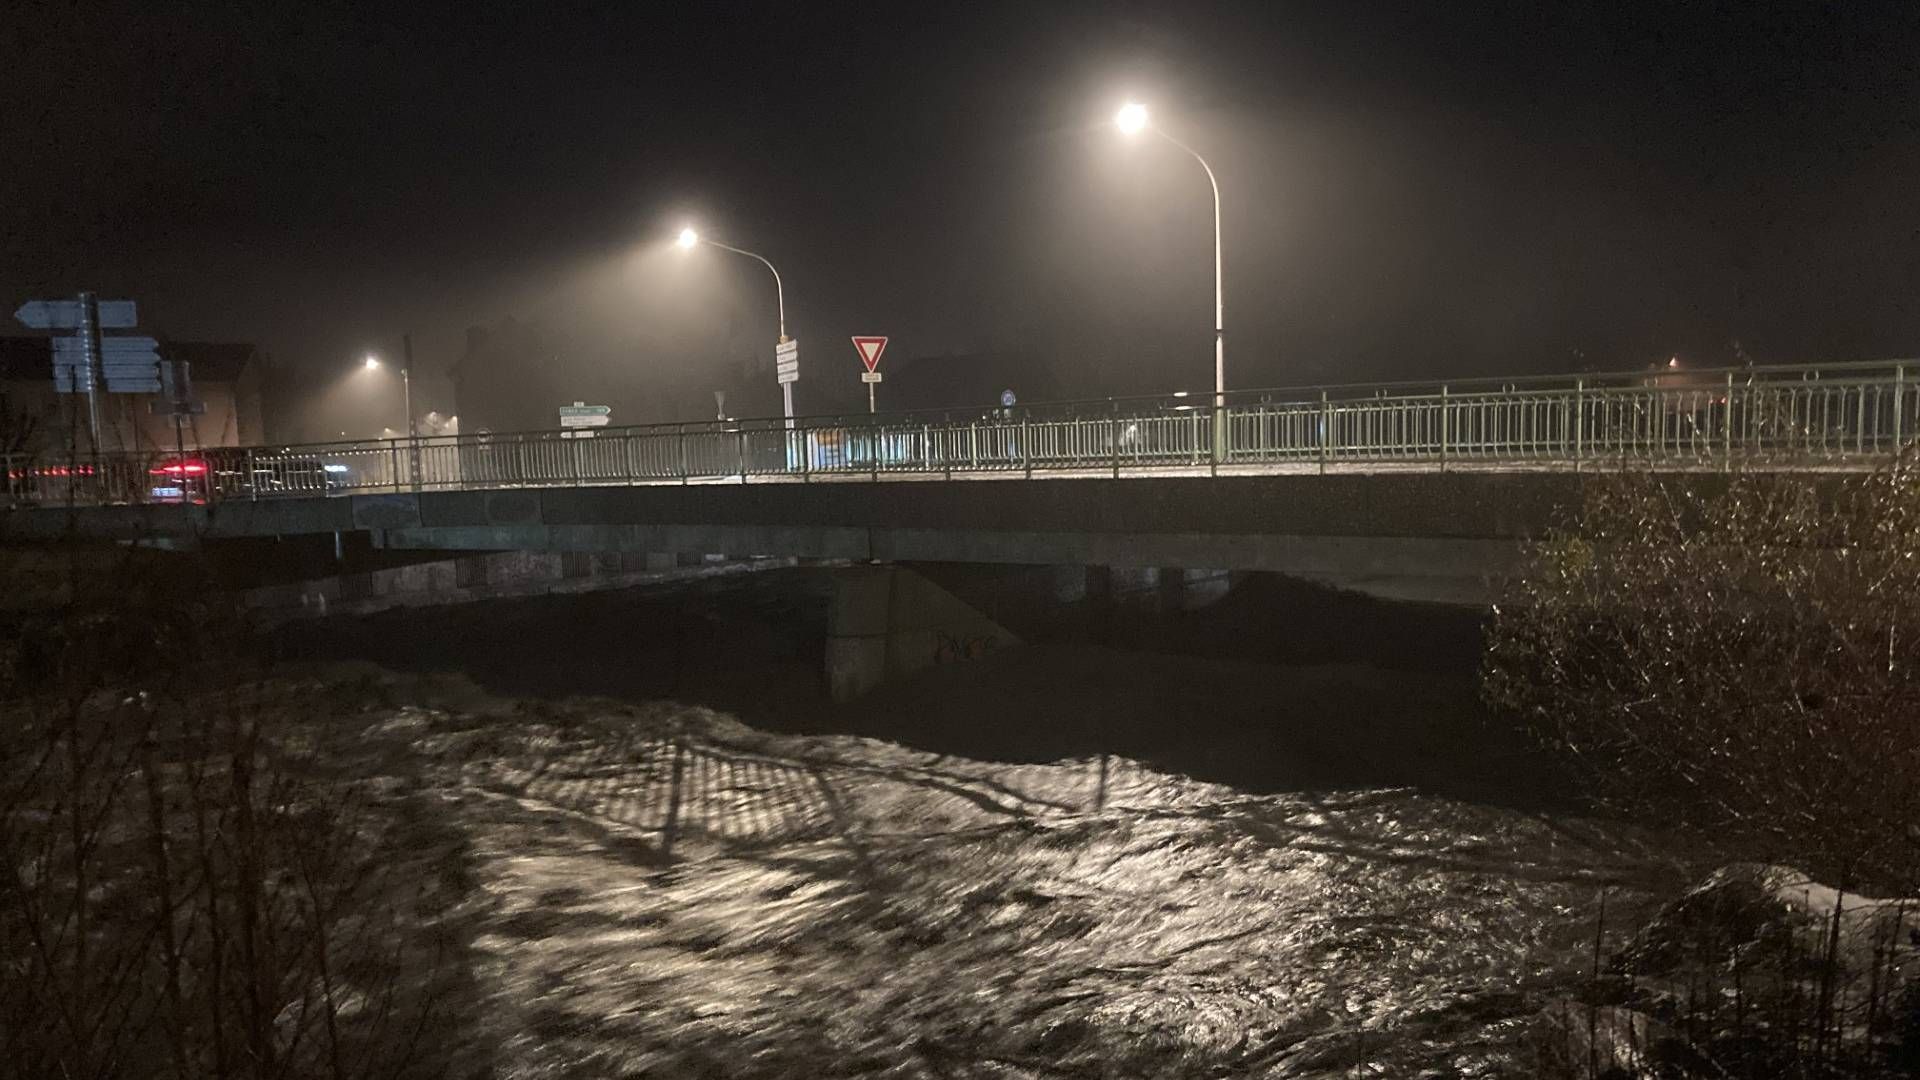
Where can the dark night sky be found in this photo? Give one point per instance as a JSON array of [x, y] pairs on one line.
[[1444, 190]]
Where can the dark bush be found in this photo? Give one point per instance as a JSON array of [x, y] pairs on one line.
[[1738, 655]]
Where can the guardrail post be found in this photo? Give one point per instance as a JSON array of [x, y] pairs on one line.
[[1326, 432], [1113, 439], [1899, 398], [1026, 447], [1444, 421], [253, 478], [1726, 436], [393, 449], [1860, 423], [1579, 422], [685, 472]]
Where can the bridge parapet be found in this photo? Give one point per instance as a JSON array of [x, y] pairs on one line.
[[1833, 417]]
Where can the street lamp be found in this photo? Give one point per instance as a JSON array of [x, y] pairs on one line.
[[1131, 120], [406, 385], [689, 239]]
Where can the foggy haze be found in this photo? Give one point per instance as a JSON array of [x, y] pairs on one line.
[[1437, 193]]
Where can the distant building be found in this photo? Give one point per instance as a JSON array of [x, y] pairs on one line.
[[226, 378]]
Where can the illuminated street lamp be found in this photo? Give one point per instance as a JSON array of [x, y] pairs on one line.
[[689, 239], [406, 386], [1133, 119]]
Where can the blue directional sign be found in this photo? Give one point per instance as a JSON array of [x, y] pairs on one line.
[[128, 365], [67, 314], [114, 351]]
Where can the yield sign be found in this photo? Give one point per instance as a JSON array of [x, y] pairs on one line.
[[870, 349]]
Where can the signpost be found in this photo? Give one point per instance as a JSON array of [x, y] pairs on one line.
[[175, 382], [870, 348], [582, 415], [84, 359], [786, 368]]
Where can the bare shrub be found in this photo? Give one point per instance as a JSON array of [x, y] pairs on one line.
[[184, 890], [1739, 655]]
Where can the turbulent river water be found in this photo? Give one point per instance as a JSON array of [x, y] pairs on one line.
[[1074, 860]]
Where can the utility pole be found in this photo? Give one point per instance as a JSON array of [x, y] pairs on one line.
[[406, 381], [406, 396]]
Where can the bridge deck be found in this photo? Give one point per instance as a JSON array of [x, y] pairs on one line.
[[1834, 417]]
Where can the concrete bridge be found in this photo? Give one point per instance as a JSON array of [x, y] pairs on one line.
[[1404, 489], [1408, 492], [1428, 535]]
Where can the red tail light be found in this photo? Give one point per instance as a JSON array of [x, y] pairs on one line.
[[179, 468]]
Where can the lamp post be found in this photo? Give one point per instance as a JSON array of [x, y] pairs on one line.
[[1133, 119], [406, 384], [689, 239]]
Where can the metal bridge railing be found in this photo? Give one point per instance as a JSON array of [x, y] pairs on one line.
[[1844, 416]]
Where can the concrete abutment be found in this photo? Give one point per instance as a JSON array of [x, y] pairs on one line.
[[887, 622]]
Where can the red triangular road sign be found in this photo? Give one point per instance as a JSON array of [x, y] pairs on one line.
[[870, 349]]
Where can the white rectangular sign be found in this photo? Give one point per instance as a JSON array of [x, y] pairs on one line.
[[869, 376], [786, 361]]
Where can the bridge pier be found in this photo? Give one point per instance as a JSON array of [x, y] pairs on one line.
[[887, 622], [1099, 597], [1099, 588], [470, 572], [1172, 586]]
